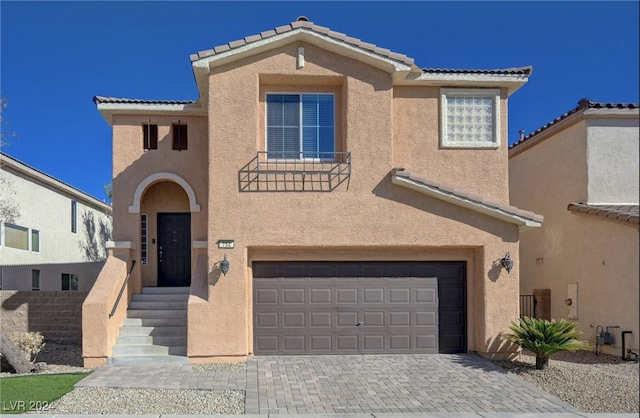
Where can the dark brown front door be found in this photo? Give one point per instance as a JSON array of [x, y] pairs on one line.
[[174, 251]]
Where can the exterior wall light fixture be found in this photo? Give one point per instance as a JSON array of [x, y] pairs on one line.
[[224, 266], [507, 262]]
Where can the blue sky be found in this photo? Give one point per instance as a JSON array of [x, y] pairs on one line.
[[55, 56]]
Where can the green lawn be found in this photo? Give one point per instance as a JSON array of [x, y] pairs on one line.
[[36, 392]]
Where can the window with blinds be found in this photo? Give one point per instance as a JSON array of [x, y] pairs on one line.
[[300, 126]]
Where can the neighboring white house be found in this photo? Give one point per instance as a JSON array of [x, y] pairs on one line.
[[57, 239], [581, 173]]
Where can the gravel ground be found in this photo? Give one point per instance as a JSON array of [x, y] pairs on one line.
[[595, 384]]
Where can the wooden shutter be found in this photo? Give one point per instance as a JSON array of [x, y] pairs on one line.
[[179, 136]]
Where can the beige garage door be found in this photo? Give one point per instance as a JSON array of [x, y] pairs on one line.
[[302, 314]]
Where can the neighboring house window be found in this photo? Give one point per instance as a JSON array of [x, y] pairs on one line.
[[179, 136], [35, 279], [143, 238], [74, 216], [150, 136], [35, 241], [69, 281], [300, 126], [470, 118], [16, 237]]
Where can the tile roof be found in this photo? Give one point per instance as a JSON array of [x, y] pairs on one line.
[[507, 71], [302, 23], [486, 205], [583, 104], [621, 213], [103, 99]]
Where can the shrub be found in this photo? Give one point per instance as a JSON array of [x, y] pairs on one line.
[[544, 338], [30, 343]]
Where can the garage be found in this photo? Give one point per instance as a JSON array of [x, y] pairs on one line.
[[359, 307]]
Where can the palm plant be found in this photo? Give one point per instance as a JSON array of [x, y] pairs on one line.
[[544, 338]]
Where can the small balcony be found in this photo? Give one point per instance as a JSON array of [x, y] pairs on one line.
[[295, 172]]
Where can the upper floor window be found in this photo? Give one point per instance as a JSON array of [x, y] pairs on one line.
[[300, 126], [470, 118], [35, 241], [74, 216], [149, 136], [179, 136], [16, 237]]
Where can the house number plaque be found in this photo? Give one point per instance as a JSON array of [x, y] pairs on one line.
[[225, 243]]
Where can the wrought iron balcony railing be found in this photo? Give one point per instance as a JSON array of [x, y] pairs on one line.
[[295, 172]]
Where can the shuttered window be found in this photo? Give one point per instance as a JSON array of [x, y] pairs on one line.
[[300, 126], [150, 136], [179, 136]]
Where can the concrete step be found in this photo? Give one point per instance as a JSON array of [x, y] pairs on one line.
[[157, 305], [153, 331], [167, 341], [146, 350], [165, 290], [160, 297], [157, 313], [141, 360], [155, 322]]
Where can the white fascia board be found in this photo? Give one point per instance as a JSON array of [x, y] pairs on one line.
[[109, 109], [325, 42], [511, 82], [612, 113], [201, 66], [466, 203], [56, 184]]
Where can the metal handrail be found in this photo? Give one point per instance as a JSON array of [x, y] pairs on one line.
[[126, 280]]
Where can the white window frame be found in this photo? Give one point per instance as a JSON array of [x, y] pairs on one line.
[[299, 93], [37, 232], [74, 217], [27, 232], [493, 94]]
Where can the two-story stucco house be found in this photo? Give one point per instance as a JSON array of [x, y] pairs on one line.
[[52, 235], [322, 196], [581, 172]]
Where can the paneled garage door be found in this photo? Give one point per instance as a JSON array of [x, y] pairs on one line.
[[358, 308]]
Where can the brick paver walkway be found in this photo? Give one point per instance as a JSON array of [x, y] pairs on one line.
[[460, 383]]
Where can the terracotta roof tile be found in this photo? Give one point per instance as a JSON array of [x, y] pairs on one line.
[[104, 99], [480, 200], [583, 104], [303, 24], [621, 213]]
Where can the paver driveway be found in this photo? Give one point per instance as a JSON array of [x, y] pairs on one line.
[[389, 383]]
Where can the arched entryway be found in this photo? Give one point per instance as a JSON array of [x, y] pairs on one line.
[[164, 205]]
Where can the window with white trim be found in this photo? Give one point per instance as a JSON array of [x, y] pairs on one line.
[[470, 118], [16, 237], [35, 241], [300, 126], [74, 216]]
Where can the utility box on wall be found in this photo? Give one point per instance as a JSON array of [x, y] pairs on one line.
[[572, 301]]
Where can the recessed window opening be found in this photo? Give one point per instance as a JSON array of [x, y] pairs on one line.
[[35, 279], [74, 216], [35, 241], [300, 126], [69, 281]]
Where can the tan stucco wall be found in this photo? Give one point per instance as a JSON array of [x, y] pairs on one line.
[[372, 219], [612, 159], [367, 218], [600, 255]]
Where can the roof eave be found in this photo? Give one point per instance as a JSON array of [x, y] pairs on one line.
[[108, 110], [202, 65], [512, 82], [494, 212]]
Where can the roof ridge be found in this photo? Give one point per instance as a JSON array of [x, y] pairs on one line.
[[583, 104], [302, 23]]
